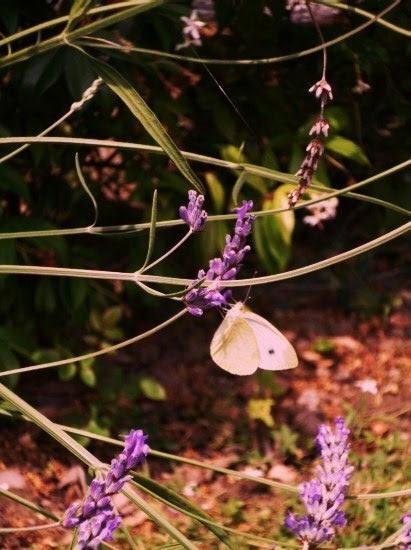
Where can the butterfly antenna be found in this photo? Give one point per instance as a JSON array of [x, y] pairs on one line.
[[247, 296]]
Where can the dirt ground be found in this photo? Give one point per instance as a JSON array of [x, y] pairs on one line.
[[350, 364]]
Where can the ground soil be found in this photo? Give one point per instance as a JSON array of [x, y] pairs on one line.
[[205, 415]]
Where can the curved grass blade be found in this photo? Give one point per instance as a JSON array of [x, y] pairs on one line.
[[209, 523], [52, 429], [241, 180], [152, 234], [400, 493], [78, 9], [97, 353], [159, 519], [372, 18], [137, 6], [28, 504], [139, 108], [87, 190], [173, 499]]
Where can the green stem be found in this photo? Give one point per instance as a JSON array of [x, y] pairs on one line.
[[250, 168], [27, 503], [30, 528], [52, 429], [94, 354], [374, 18], [63, 19], [158, 279], [211, 467], [158, 518], [168, 253], [64, 38], [368, 15], [201, 519], [338, 258]]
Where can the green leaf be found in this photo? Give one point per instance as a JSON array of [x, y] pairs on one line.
[[42, 72], [78, 9], [139, 108], [260, 409], [338, 118], [216, 190], [9, 361], [152, 389], [273, 234], [45, 296], [78, 73], [347, 148], [67, 372], [8, 253], [159, 518], [112, 316], [234, 154], [180, 503], [12, 182], [87, 374], [86, 189], [73, 293], [152, 234]]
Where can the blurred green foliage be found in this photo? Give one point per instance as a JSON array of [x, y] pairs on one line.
[[254, 113]]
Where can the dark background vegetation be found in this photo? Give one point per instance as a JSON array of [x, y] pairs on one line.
[[262, 116]]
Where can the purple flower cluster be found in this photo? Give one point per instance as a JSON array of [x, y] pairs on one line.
[[324, 495], [95, 516], [193, 214], [224, 268], [404, 542], [315, 149], [300, 13]]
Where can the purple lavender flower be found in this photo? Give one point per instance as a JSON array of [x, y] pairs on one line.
[[97, 529], [404, 542], [300, 13], [324, 495], [222, 269], [191, 30], [193, 214], [204, 8], [322, 91], [95, 516]]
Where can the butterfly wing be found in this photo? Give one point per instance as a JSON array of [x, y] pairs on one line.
[[276, 352], [234, 346]]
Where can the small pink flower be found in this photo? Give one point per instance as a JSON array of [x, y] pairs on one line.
[[322, 90], [315, 148], [320, 127]]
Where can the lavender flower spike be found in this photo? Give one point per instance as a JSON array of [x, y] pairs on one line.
[[95, 516], [324, 495], [193, 214], [222, 269], [191, 30], [404, 542]]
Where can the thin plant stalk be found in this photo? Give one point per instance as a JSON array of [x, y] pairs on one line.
[[94, 354]]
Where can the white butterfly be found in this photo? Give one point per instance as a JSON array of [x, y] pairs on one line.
[[245, 342]]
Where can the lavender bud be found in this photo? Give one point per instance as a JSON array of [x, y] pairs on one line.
[[324, 495], [404, 542], [224, 268], [320, 127], [193, 214], [321, 212], [95, 517], [300, 14], [322, 91], [205, 9], [191, 30]]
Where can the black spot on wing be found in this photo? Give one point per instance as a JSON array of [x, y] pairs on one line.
[[271, 351]]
